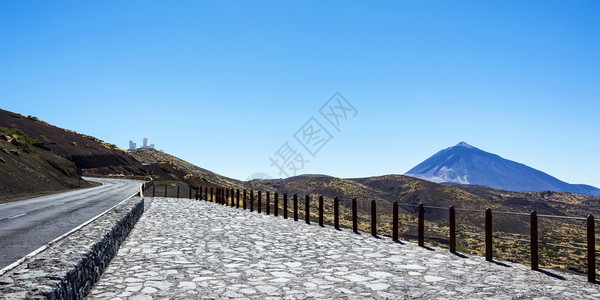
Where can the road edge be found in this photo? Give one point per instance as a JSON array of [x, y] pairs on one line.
[[58, 239], [69, 266]]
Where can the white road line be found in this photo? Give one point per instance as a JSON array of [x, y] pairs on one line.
[[42, 248], [19, 215]]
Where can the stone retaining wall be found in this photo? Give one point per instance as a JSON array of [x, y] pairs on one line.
[[69, 268]]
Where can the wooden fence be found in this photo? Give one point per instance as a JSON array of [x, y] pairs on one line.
[[273, 204]]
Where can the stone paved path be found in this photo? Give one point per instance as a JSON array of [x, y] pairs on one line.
[[182, 249]]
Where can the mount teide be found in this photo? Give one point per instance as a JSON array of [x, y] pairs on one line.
[[465, 164]]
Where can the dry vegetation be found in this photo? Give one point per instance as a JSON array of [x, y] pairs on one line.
[[152, 156], [469, 224], [411, 191]]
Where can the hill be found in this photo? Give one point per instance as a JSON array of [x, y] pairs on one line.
[[403, 189], [465, 164], [40, 158], [546, 202], [27, 171], [150, 156], [409, 191], [83, 150]]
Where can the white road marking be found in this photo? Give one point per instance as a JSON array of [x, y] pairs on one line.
[[42, 248], [19, 215]]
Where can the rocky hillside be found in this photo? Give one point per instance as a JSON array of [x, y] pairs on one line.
[[404, 189], [27, 170], [38, 158], [546, 202], [85, 151], [151, 156]]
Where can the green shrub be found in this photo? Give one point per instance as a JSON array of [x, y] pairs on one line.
[[21, 136]]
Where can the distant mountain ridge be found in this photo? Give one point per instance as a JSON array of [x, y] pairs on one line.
[[465, 164]]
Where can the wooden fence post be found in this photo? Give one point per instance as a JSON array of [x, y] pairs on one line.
[[336, 213], [395, 221], [591, 249], [321, 211], [153, 190], [178, 191], [268, 200], [488, 234], [285, 206], [237, 196], [373, 218], [251, 200], [166, 188], [452, 225], [276, 208], [307, 209], [354, 216], [244, 198], [259, 202], [421, 224], [295, 207], [534, 240]]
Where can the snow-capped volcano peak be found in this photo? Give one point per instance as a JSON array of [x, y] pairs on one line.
[[463, 144], [465, 164]]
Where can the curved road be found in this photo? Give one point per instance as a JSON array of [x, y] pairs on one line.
[[29, 224]]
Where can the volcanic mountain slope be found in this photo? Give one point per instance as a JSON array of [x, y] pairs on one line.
[[48, 157], [27, 171], [410, 190], [546, 202], [85, 151], [390, 188], [405, 190], [152, 156], [465, 164]]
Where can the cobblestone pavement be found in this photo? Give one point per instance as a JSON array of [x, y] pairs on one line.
[[185, 249]]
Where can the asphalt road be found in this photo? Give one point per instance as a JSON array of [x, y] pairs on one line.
[[29, 224]]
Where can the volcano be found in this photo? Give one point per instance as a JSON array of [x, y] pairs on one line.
[[465, 164]]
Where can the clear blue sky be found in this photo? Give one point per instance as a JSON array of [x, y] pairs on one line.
[[224, 84]]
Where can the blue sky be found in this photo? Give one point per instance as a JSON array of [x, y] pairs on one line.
[[224, 84]]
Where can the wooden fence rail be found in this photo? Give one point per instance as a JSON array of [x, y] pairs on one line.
[[231, 197]]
